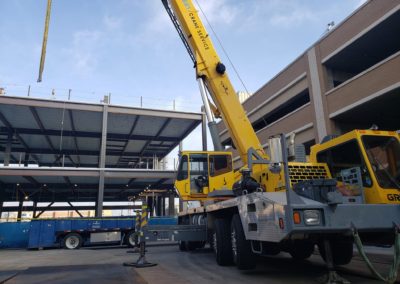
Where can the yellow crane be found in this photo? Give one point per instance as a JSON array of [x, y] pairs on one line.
[[203, 175]]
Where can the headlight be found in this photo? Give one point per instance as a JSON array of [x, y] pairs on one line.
[[312, 217]]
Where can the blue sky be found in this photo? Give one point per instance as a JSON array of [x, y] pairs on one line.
[[130, 49]]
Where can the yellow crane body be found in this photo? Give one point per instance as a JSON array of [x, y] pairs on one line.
[[200, 180]]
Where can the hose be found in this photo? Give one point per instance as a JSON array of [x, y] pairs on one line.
[[392, 276]]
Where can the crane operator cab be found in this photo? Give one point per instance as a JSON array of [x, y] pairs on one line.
[[200, 173], [375, 154]]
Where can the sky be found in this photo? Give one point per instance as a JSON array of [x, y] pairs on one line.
[[129, 48]]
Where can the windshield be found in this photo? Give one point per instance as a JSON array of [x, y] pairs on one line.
[[384, 155]]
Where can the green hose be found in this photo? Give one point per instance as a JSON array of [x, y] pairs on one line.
[[391, 278]]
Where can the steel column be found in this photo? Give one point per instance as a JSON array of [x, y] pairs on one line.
[[20, 205], [158, 205], [34, 209], [102, 163], [171, 205], [26, 159], [1, 207], [7, 152], [150, 204], [163, 206]]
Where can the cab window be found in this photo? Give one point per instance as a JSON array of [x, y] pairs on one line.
[[220, 164], [183, 168], [384, 155], [345, 156]]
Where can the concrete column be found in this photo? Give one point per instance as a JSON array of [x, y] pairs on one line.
[[1, 207], [19, 215], [317, 96], [204, 128], [171, 205], [7, 152], [102, 162]]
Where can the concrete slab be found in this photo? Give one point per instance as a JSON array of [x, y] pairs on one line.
[[104, 265], [66, 274]]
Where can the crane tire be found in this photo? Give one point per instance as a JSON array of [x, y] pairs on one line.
[[242, 254], [222, 244]]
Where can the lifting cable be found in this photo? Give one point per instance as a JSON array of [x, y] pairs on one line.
[[222, 47], [392, 276]]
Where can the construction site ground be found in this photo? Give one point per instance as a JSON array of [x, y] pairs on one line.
[[104, 265]]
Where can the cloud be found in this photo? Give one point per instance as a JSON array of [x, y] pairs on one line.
[[84, 50], [291, 18], [111, 23], [219, 11]]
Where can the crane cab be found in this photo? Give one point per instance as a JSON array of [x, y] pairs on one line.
[[374, 154], [202, 172]]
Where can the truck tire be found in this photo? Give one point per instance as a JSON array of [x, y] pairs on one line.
[[131, 239], [342, 251], [222, 242], [72, 241], [182, 246], [301, 250], [243, 256]]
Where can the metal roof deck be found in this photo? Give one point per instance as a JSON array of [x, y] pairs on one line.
[[56, 133], [58, 145]]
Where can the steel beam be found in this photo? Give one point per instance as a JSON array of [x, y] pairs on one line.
[[9, 128], [88, 134], [76, 210], [127, 141], [156, 136], [43, 209], [66, 208], [71, 118], [88, 172], [38, 102], [68, 152]]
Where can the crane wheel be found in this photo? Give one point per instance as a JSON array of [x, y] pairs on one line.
[[301, 250], [242, 254], [182, 246], [222, 245]]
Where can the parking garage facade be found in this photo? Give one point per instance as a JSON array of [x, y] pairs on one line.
[[348, 79]]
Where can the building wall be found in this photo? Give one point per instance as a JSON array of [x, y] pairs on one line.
[[345, 71]]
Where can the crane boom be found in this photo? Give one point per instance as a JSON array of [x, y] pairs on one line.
[[209, 67]]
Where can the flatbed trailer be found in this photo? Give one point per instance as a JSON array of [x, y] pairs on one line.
[[72, 233]]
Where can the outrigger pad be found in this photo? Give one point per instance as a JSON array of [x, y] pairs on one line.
[[333, 278], [135, 250], [141, 263]]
